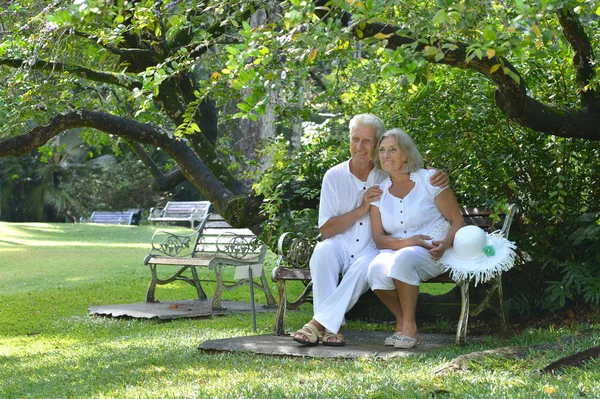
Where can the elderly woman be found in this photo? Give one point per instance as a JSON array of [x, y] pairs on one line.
[[413, 223]]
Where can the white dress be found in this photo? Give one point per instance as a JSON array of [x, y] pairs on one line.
[[416, 213]]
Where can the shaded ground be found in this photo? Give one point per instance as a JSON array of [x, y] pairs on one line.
[[358, 344]]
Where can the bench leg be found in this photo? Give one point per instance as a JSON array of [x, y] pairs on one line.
[[201, 293], [270, 299], [152, 287], [461, 328], [486, 303], [280, 317], [216, 301], [501, 305]]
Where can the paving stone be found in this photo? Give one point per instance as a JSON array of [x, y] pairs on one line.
[[358, 344], [169, 310]]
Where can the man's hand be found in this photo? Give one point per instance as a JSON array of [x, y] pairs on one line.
[[371, 195], [439, 178], [438, 249]]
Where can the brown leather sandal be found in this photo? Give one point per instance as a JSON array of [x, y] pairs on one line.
[[339, 339], [311, 332]]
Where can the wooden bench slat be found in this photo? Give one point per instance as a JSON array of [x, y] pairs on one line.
[[286, 273], [165, 260]]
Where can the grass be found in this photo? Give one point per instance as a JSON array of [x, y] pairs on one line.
[[50, 348]]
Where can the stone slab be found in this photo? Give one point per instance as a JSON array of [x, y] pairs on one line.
[[359, 344], [169, 310]]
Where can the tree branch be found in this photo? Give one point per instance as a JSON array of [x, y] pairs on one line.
[[161, 22], [317, 79], [162, 182], [511, 95], [116, 50], [190, 164], [118, 79], [583, 58]]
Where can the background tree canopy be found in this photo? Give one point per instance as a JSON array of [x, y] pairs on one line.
[[503, 95]]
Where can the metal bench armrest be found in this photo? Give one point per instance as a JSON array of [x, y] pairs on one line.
[[295, 250]]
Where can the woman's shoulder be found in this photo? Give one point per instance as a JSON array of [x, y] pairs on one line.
[[424, 174], [385, 184]]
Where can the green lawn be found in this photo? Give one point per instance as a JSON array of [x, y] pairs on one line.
[[50, 348]]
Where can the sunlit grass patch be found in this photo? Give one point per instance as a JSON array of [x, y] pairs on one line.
[[51, 348]]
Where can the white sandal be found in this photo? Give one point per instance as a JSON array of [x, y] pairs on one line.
[[391, 340], [405, 342]]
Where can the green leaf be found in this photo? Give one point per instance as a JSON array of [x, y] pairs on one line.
[[440, 17], [489, 34], [232, 50], [61, 17], [243, 106]]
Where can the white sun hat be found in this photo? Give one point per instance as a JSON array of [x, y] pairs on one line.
[[478, 255]]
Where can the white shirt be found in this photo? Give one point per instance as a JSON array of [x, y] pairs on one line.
[[416, 213], [341, 193]]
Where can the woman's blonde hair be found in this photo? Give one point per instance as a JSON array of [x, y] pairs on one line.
[[414, 160]]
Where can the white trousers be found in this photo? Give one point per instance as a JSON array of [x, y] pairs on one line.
[[411, 265], [332, 298]]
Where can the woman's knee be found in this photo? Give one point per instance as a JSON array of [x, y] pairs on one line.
[[377, 276], [407, 263]]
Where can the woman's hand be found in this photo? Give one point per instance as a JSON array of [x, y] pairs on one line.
[[437, 249], [420, 241], [371, 195]]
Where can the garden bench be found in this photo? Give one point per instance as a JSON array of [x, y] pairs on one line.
[[106, 217], [181, 211], [214, 245], [294, 252]]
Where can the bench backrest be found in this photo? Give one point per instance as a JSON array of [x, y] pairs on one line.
[[295, 251], [112, 217], [481, 217], [186, 208], [218, 239]]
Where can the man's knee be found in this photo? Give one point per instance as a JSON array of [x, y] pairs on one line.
[[327, 255], [325, 251]]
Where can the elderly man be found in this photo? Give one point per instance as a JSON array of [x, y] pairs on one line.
[[346, 195]]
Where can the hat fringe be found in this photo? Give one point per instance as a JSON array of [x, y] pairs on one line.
[[490, 270]]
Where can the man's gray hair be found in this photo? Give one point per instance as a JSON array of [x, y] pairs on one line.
[[367, 120], [414, 160]]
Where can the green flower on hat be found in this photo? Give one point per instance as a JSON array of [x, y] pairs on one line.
[[489, 250]]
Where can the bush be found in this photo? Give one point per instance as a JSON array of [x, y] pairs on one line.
[[554, 181]]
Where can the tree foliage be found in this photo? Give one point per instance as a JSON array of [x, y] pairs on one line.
[[503, 96], [494, 158]]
